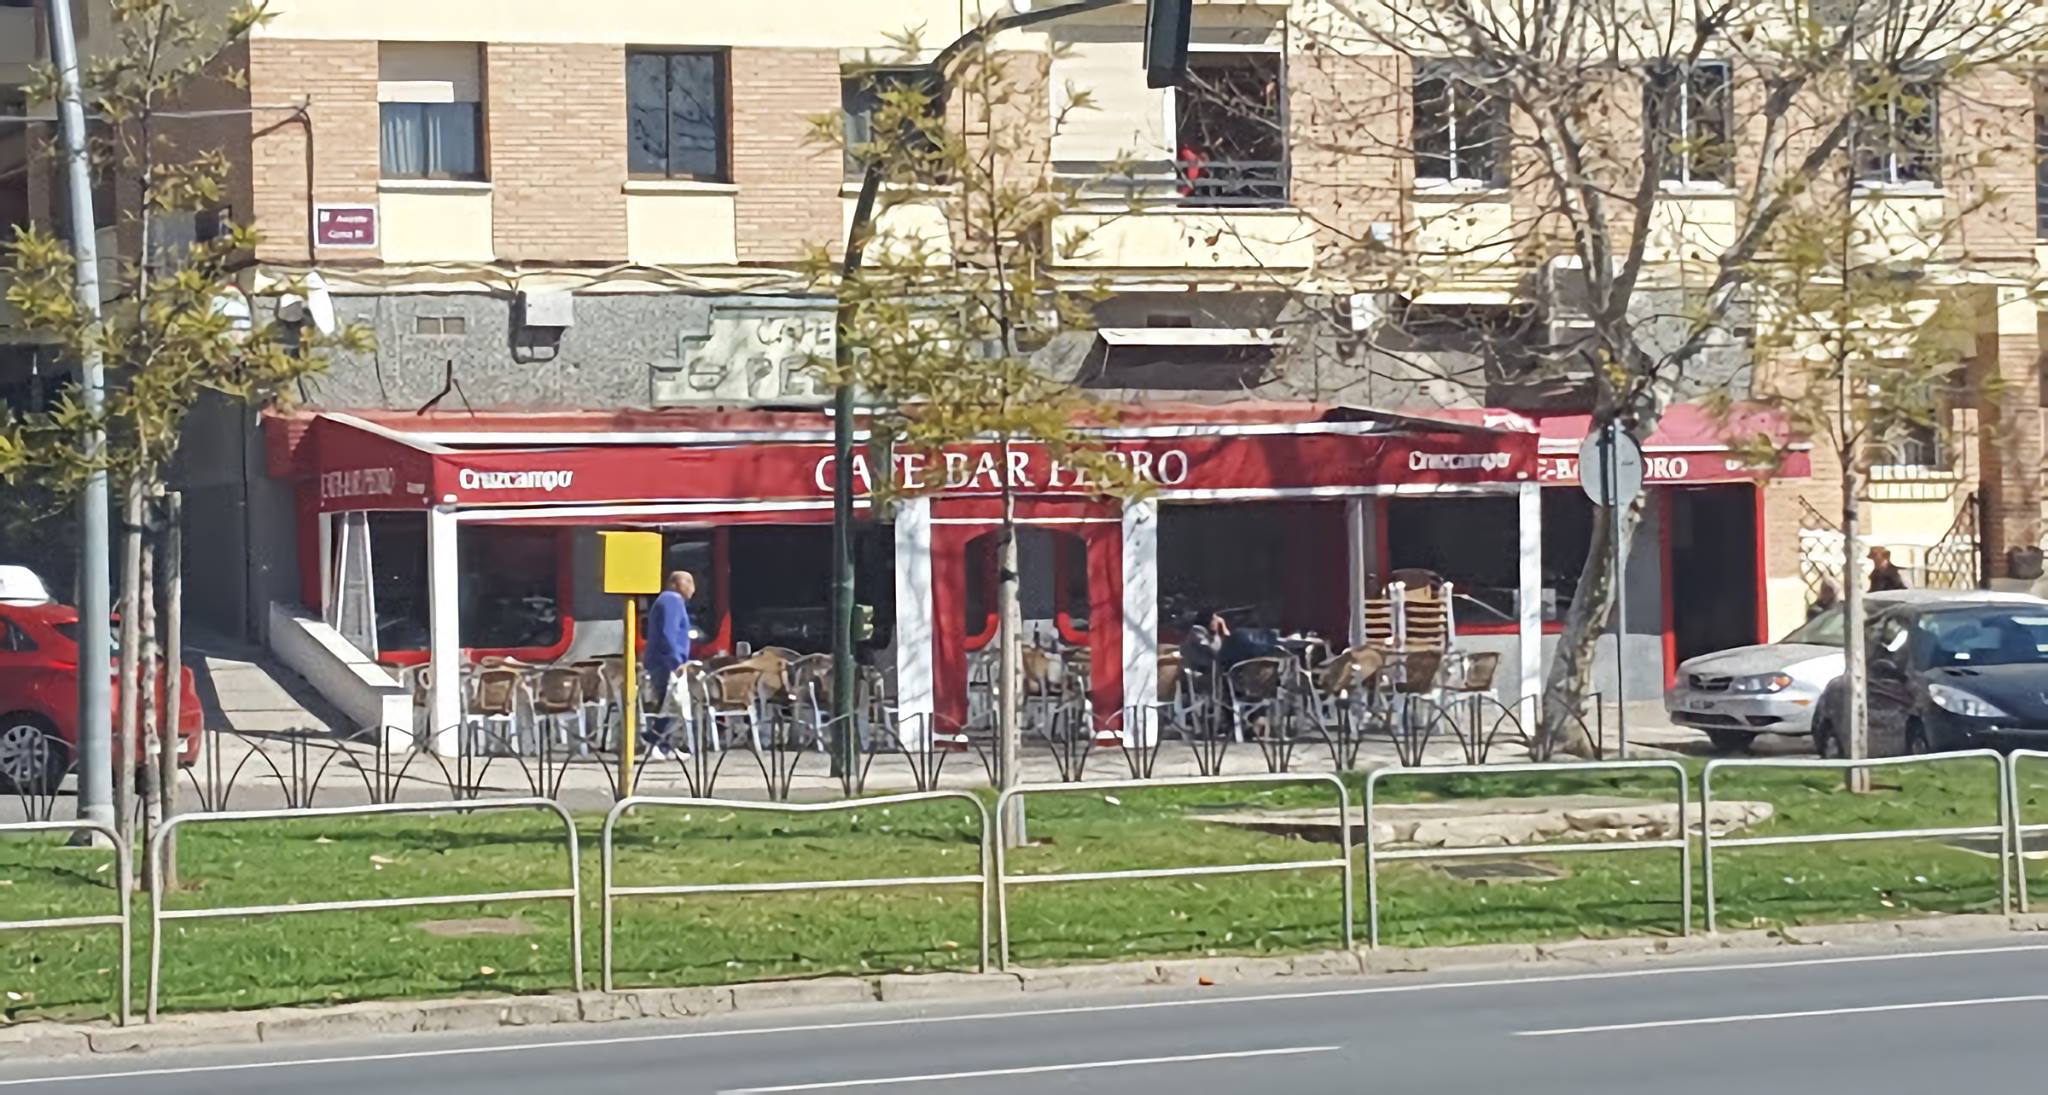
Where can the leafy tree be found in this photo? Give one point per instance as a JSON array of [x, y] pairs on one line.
[[175, 325], [956, 289]]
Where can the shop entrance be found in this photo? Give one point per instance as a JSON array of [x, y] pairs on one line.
[[1712, 570]]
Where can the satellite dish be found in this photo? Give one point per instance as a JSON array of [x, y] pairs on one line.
[[312, 304], [233, 304], [319, 304]]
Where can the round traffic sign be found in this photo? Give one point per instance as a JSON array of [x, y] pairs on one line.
[[1611, 467]]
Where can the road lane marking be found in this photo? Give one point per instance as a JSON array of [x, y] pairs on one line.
[[1034, 1070], [1030, 1013], [1774, 1016]]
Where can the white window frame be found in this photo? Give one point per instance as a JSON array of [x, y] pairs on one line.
[[1456, 180], [1890, 178], [1685, 179]]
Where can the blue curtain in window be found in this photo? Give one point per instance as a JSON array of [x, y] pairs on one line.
[[403, 141]]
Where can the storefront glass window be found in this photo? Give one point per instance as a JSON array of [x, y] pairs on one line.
[[1471, 543], [509, 592]]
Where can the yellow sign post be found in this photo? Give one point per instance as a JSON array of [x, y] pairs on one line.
[[632, 568]]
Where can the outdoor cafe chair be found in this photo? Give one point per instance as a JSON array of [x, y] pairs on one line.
[[558, 699], [1254, 687], [735, 694], [492, 721], [595, 681]]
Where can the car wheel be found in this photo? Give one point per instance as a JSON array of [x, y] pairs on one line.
[[1731, 741], [33, 759], [1825, 743], [1919, 742]]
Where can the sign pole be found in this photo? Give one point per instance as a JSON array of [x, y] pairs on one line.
[[1610, 472], [629, 722]]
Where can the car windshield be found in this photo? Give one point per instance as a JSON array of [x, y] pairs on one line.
[[1992, 636], [69, 629], [1830, 628]]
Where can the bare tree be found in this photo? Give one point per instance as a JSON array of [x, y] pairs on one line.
[[1627, 166]]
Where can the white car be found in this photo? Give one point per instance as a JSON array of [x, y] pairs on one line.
[[1734, 695]]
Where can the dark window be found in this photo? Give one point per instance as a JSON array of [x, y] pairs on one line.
[[1461, 125], [676, 115], [1898, 134], [1689, 108], [1470, 542], [904, 100], [432, 140], [1983, 637], [2041, 166], [1230, 131], [509, 594], [14, 640]]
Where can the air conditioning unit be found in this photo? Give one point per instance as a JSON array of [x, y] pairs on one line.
[[554, 308], [1564, 295]]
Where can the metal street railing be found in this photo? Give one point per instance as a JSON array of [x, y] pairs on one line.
[[611, 891], [2020, 828], [124, 874], [2000, 791], [572, 893], [1004, 880], [1680, 843]]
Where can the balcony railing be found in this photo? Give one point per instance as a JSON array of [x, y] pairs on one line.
[[1243, 184]]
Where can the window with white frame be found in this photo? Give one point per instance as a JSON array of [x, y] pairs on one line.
[[1689, 108], [1897, 139], [1461, 125], [430, 111]]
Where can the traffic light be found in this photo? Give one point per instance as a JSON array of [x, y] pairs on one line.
[[1167, 23]]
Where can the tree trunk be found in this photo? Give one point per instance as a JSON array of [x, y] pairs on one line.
[[1856, 671], [1010, 662], [125, 751], [174, 667], [1568, 686]]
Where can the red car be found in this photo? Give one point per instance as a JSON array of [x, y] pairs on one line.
[[39, 698]]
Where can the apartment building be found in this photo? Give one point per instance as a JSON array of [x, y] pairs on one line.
[[582, 227]]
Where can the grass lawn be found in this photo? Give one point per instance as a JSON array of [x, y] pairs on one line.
[[709, 939]]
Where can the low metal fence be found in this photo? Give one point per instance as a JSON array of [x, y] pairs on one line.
[[1680, 843], [2000, 790], [2020, 828], [1004, 880], [124, 874], [572, 893], [610, 891]]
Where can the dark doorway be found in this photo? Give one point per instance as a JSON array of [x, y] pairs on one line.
[[1712, 568]]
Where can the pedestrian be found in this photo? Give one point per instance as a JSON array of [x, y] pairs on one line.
[[1884, 576], [668, 647], [1825, 599]]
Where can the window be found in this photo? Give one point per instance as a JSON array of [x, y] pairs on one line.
[[1230, 132], [509, 598], [430, 111], [676, 115], [1461, 126], [14, 640], [865, 96], [1689, 109], [2041, 161], [1897, 138], [1460, 539]]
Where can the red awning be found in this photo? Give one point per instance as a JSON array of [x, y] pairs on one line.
[[358, 464], [1690, 445]]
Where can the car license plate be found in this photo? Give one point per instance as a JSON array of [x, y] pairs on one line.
[[1705, 706]]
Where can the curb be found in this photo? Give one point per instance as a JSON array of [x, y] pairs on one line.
[[40, 1040]]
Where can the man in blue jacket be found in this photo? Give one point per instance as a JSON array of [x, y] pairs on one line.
[[668, 647]]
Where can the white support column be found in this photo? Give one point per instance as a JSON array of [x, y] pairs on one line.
[[327, 569], [915, 699], [1355, 542], [1529, 599], [1141, 620], [444, 633]]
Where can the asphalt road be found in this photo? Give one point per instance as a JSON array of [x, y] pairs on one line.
[[1819, 1024]]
